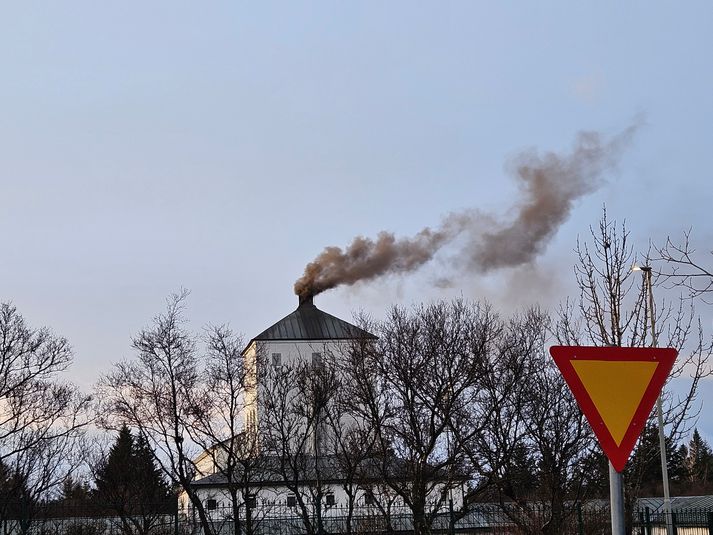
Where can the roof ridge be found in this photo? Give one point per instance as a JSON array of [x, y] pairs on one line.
[[307, 322]]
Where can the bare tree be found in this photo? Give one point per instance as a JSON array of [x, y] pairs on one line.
[[530, 454], [128, 483], [613, 309], [294, 400], [683, 267], [221, 430], [415, 386], [158, 395], [352, 443], [42, 418]]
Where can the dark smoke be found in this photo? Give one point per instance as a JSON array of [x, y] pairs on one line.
[[549, 186], [366, 259]]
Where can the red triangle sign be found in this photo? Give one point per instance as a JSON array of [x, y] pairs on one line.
[[616, 388]]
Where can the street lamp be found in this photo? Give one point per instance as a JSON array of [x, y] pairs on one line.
[[647, 273]]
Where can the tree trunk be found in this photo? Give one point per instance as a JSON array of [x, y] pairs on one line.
[[419, 518], [202, 517], [236, 511]]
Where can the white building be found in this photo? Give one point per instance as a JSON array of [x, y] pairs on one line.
[[307, 334]]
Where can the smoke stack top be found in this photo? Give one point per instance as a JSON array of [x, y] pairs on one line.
[[305, 300], [549, 185]]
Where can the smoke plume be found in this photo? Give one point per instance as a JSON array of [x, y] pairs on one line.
[[549, 185]]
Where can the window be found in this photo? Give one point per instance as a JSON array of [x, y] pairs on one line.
[[291, 501], [211, 505], [368, 498], [316, 359], [250, 501], [330, 499], [276, 360]]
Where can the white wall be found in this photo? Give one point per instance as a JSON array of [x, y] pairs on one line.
[[290, 352], [273, 500]]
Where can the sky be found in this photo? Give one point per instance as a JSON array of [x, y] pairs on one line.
[[147, 147]]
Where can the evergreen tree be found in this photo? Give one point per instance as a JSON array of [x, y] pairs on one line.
[[114, 477], [154, 489], [15, 496], [75, 491], [520, 477], [677, 471], [595, 474], [643, 471], [129, 483], [129, 477], [13, 485], [699, 461]]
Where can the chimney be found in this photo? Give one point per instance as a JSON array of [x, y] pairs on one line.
[[305, 300]]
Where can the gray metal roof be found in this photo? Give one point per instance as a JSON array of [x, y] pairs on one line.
[[677, 503], [310, 323], [268, 469]]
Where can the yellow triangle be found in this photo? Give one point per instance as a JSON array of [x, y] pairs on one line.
[[616, 388]]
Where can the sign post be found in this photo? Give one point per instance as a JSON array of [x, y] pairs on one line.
[[616, 501], [616, 388]]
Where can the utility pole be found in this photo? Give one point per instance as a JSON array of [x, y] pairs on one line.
[[646, 271]]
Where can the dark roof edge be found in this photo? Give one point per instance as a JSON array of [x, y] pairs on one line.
[[306, 308]]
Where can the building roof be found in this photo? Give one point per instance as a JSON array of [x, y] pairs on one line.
[[268, 469], [677, 503], [308, 322]]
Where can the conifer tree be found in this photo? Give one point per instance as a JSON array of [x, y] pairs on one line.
[[11, 488], [150, 481], [699, 462], [75, 491], [129, 483], [643, 471], [114, 477]]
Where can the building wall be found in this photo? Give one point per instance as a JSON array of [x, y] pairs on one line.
[[274, 500], [204, 465], [287, 352]]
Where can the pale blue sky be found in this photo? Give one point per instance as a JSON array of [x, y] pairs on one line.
[[146, 146]]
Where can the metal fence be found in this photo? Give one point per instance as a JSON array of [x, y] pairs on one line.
[[578, 519], [94, 519], [683, 522], [90, 518]]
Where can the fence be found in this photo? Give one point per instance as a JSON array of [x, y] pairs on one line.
[[579, 519], [90, 518], [94, 519], [683, 522]]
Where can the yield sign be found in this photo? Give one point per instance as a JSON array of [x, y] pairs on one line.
[[616, 388]]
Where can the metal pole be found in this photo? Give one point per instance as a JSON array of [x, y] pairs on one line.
[[649, 529], [659, 412], [452, 517], [616, 495]]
